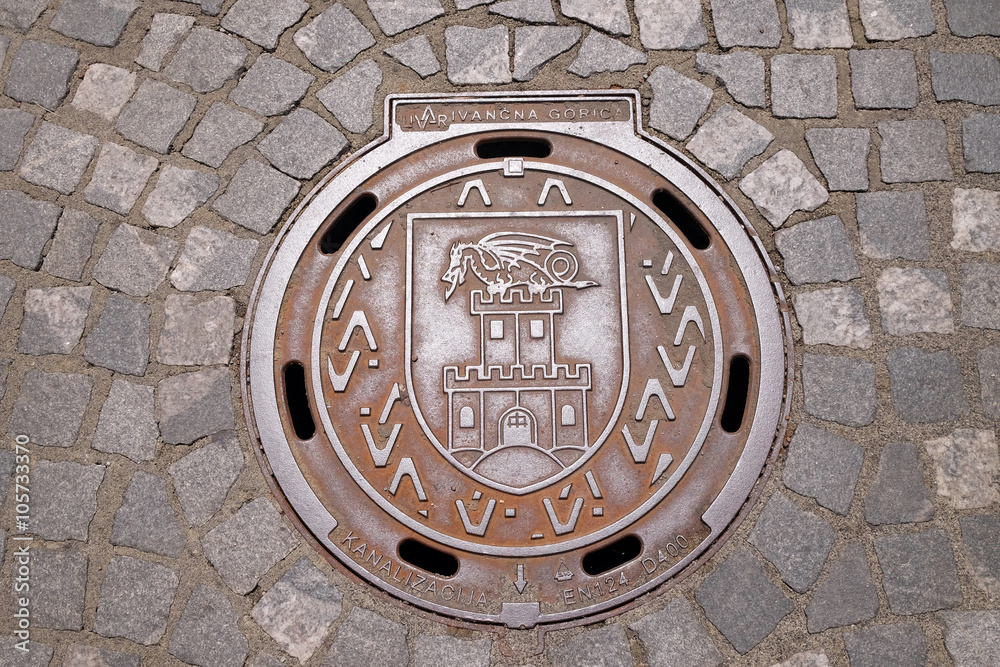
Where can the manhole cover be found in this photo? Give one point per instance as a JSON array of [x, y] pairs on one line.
[[515, 363]]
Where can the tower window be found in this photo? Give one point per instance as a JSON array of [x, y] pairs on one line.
[[537, 328], [496, 329], [466, 418], [568, 415]]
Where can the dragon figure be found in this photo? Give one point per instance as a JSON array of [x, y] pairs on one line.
[[509, 259]]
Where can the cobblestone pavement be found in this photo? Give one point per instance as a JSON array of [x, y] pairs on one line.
[[148, 150]]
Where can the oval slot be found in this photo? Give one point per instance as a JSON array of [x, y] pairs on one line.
[[428, 558], [297, 401], [492, 149], [681, 216], [611, 556], [736, 394], [345, 224]]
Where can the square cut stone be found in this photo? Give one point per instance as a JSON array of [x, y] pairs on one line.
[[196, 332], [78, 655], [417, 54], [781, 186], [50, 408], [669, 24], [256, 197], [302, 144], [608, 641], [819, 24], [72, 245], [884, 79], [351, 96], [393, 18], [972, 637], [53, 319], [611, 16], [914, 151], [26, 226], [272, 86], [918, 571], [57, 157], [64, 499], [529, 11], [222, 130], [334, 38], [846, 593], [40, 73], [202, 479], [981, 295], [135, 600], [966, 465], [975, 220], [875, 646], [119, 178], [981, 142], [967, 77], [678, 102], [164, 33], [796, 542], [145, 520], [834, 316], [988, 361], [891, 20], [675, 635], [728, 140], [127, 425], [968, 18], [804, 86], [104, 90], [207, 59], [914, 301], [898, 494], [746, 23], [21, 15], [155, 115], [100, 24], [369, 638], [58, 585], [927, 387], [741, 72], [120, 338], [823, 466], [842, 155], [14, 126], [213, 260], [600, 53], [477, 56], [192, 405], [817, 251], [177, 194], [448, 651], [982, 550], [207, 632], [893, 224], [263, 21], [135, 261]]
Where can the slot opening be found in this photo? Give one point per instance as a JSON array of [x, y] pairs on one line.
[[428, 558], [611, 556], [736, 394], [297, 401], [345, 224], [491, 149], [682, 218]]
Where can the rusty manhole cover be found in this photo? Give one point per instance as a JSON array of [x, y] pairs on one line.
[[515, 363]]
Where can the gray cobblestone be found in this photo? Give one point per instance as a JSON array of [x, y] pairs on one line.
[[817, 251], [884, 79], [678, 102], [611, 16], [38, 654], [145, 520], [891, 20], [207, 633], [988, 361], [448, 651], [982, 550], [104, 90], [135, 600], [805, 659], [256, 197], [969, 77], [529, 11], [477, 56], [302, 144], [101, 24], [206, 60], [135, 261], [966, 464], [819, 24], [742, 74], [127, 424], [981, 295], [202, 479], [833, 316], [120, 339], [251, 542], [918, 572], [59, 583], [671, 24], [796, 542], [914, 151], [804, 86], [155, 115], [298, 610], [781, 186], [366, 638], [926, 386], [222, 130], [119, 178], [265, 660], [914, 301], [351, 98], [975, 220], [50, 407], [823, 466], [898, 493], [332, 39], [875, 646], [972, 637], [846, 594], [21, 15], [393, 17], [53, 319], [893, 224], [7, 287], [177, 194], [842, 155], [193, 405], [164, 34], [968, 18], [728, 140], [263, 21], [740, 600], [417, 54], [213, 260], [29, 225], [605, 646], [57, 157], [746, 23], [600, 53], [14, 126], [536, 46], [78, 655], [64, 499], [40, 72], [675, 637], [271, 87], [196, 332], [981, 142]]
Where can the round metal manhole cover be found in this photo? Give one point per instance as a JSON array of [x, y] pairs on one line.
[[515, 363]]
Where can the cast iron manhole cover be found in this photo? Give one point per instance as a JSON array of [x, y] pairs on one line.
[[515, 363]]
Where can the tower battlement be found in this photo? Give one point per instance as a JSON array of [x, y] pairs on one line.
[[499, 378], [517, 300]]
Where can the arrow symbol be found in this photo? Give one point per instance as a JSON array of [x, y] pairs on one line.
[[520, 583]]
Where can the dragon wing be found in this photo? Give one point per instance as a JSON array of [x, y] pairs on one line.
[[513, 248]]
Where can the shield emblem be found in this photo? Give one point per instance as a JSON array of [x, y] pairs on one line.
[[516, 339]]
